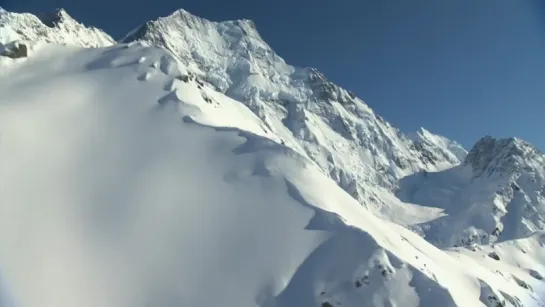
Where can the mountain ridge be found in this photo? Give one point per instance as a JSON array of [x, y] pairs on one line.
[[55, 27], [457, 151], [321, 120]]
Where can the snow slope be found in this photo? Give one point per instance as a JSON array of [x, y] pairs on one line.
[[129, 184], [55, 27], [519, 262], [358, 149], [497, 194], [208, 174]]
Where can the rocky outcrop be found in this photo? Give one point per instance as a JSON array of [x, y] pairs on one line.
[[15, 50]]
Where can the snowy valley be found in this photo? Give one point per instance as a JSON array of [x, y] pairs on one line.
[[188, 165]]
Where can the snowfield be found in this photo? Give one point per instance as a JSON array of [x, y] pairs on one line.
[[131, 179]]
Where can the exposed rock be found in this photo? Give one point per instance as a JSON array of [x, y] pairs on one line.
[[15, 51], [536, 275], [494, 256]]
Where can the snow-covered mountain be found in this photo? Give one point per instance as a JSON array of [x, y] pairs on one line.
[[362, 152], [206, 172], [54, 27], [497, 194], [132, 185]]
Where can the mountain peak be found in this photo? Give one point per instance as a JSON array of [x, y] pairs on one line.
[[451, 150], [54, 18], [318, 118], [182, 13], [54, 27], [186, 22], [423, 131], [502, 155]]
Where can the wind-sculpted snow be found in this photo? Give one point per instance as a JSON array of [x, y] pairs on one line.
[[130, 191]]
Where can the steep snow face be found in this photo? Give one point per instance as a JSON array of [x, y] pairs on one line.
[[362, 152], [132, 185], [497, 194], [443, 147], [55, 27]]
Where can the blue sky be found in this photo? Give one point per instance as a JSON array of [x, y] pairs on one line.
[[460, 68]]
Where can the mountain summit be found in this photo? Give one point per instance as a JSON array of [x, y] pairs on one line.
[[55, 18], [54, 27], [504, 157]]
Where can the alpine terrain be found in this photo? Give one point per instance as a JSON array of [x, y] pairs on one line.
[[187, 164]]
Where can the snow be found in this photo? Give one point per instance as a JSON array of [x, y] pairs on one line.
[[496, 195], [454, 151], [65, 30], [125, 192], [212, 173], [355, 147], [7, 34]]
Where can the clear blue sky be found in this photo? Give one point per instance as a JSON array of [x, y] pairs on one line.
[[461, 68]]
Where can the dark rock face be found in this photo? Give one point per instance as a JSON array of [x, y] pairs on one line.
[[15, 51], [494, 256]]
